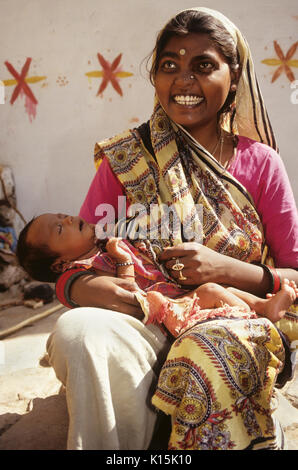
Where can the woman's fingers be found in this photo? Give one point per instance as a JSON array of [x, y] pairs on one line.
[[181, 250], [126, 302], [179, 261], [200, 263]]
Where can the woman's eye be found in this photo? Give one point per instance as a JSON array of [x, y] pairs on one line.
[[204, 67], [168, 65]]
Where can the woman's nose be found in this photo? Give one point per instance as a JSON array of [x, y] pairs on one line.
[[185, 77]]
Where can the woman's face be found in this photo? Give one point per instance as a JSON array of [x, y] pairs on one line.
[[192, 81]]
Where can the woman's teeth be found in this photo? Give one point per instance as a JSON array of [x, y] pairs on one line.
[[188, 100]]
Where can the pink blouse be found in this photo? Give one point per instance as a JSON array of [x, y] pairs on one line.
[[259, 169]]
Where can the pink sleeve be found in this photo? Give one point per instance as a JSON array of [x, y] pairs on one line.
[[104, 189], [262, 172]]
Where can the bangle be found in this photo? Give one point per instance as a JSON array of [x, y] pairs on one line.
[[64, 283], [275, 278], [268, 270], [126, 263]]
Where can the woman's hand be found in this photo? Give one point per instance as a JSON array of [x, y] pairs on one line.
[[107, 292], [201, 264]]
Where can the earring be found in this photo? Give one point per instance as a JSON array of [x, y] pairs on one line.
[[233, 87]]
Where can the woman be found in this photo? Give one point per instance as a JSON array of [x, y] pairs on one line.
[[199, 154]]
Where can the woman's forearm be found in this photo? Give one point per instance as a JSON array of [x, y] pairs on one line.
[[106, 292], [244, 276], [251, 277]]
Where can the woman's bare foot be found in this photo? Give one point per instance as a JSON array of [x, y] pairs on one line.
[[277, 304]]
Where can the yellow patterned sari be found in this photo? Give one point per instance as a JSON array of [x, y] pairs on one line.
[[219, 376]]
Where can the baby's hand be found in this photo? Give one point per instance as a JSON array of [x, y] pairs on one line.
[[115, 250]]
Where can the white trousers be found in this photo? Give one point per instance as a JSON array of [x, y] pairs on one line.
[[109, 363]]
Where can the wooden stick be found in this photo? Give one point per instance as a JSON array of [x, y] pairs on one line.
[[19, 326]]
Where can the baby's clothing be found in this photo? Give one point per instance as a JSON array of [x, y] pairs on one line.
[[172, 316], [148, 275]]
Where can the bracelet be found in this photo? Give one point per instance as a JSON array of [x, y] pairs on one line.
[[275, 278], [126, 263], [64, 283]]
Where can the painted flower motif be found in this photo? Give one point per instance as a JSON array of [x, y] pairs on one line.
[[110, 73], [21, 82], [284, 62]]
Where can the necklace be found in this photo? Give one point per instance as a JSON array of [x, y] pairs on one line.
[[227, 164], [222, 138], [216, 145]]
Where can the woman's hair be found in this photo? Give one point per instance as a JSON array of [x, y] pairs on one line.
[[36, 260], [192, 21]]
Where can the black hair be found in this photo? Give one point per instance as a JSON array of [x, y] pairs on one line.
[[36, 260], [192, 21]]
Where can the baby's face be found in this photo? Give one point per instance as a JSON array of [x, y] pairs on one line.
[[70, 237]]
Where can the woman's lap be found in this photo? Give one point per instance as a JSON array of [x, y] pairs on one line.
[[217, 382], [109, 363]]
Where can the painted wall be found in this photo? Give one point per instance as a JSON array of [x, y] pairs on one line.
[[57, 104]]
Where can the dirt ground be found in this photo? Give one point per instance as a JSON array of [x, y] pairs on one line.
[[33, 412]]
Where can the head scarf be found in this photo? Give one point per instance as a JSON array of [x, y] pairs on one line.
[[251, 119]]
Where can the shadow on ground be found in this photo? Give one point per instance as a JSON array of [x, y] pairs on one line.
[[42, 428]]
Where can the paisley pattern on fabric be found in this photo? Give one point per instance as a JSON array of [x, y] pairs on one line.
[[220, 399], [225, 369]]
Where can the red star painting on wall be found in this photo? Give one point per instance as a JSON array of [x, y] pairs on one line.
[[111, 72], [21, 81]]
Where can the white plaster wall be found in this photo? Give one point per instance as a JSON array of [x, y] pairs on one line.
[[52, 156]]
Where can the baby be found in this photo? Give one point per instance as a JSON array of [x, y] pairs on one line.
[[53, 243]]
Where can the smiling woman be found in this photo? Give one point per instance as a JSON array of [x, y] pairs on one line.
[[209, 145]]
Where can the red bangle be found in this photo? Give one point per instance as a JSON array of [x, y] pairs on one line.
[[276, 280], [63, 285]]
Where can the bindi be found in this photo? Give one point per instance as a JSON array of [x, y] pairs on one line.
[[182, 52]]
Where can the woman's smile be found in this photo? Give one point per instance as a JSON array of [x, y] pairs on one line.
[[188, 100]]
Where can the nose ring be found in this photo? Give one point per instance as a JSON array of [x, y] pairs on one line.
[[188, 76]]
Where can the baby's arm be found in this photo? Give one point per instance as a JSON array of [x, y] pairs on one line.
[[124, 263]]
